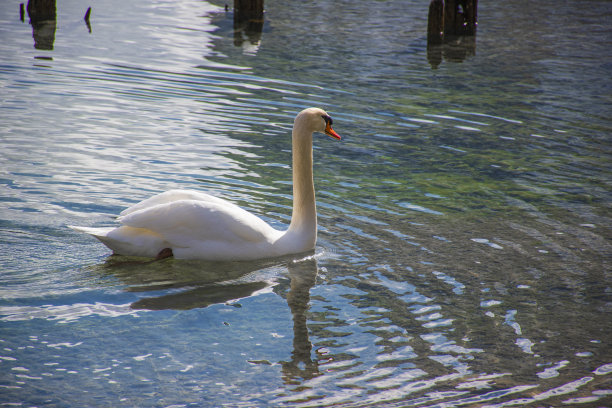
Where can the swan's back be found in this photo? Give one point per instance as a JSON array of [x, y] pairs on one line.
[[192, 224], [182, 221], [171, 196]]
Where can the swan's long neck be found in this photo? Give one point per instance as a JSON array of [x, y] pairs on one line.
[[304, 218]]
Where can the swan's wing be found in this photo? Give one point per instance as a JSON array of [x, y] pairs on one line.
[[184, 222], [171, 196]]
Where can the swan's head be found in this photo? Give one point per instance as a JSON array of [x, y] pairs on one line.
[[317, 120]]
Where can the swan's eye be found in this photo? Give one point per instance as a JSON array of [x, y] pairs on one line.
[[327, 120]]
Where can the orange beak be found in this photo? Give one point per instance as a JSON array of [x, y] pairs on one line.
[[331, 132]]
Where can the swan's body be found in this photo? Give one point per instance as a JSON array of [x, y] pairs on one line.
[[196, 225]]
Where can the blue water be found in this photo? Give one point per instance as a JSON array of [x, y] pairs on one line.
[[464, 246]]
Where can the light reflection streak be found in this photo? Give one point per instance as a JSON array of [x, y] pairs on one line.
[[64, 313]]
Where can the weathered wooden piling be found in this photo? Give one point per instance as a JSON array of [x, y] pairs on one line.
[[460, 17], [43, 17], [435, 22], [452, 17], [41, 10], [248, 19], [248, 10], [451, 30]]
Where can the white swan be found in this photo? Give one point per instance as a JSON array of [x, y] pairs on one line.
[[193, 225]]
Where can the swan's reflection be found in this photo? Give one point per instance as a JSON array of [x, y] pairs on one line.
[[303, 275], [204, 283], [221, 282]]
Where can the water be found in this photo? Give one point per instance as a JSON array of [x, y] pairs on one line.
[[464, 244]]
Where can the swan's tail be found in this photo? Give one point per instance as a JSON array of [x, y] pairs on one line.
[[102, 234], [99, 233], [127, 240]]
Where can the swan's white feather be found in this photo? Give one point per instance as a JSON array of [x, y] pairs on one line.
[[184, 221], [174, 195]]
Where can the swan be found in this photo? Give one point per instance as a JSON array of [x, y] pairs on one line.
[[194, 225]]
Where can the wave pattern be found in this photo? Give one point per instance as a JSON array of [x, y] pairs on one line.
[[464, 238]]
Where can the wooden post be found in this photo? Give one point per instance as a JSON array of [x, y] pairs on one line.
[[435, 32], [248, 10], [470, 13], [41, 10], [460, 17], [43, 20], [435, 22], [451, 30], [248, 19]]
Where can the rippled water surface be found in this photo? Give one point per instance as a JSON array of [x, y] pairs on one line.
[[465, 218]]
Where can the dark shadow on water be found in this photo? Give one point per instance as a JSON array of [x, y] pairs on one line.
[[200, 297], [145, 275]]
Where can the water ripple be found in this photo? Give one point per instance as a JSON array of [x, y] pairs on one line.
[[64, 313], [464, 217]]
